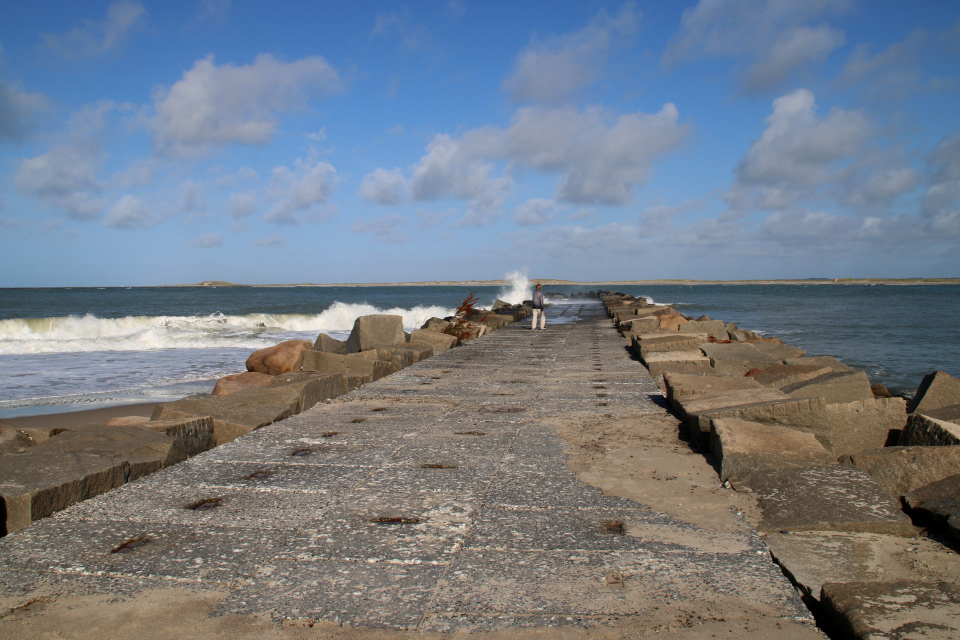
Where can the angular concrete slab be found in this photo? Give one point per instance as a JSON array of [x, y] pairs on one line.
[[939, 503], [923, 430], [826, 498], [821, 361], [781, 375], [879, 610], [680, 386], [900, 470], [736, 359], [744, 447], [779, 351], [835, 387], [936, 391]]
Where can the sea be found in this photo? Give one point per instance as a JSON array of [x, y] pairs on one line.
[[66, 349]]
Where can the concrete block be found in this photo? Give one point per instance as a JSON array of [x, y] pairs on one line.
[[681, 385], [375, 330], [326, 344], [737, 358], [777, 350], [893, 610], [714, 328], [900, 470], [196, 434], [686, 357], [939, 503], [245, 411], [694, 369], [36, 485], [646, 343], [834, 387], [946, 414], [826, 498], [333, 363], [936, 390], [926, 431], [743, 447], [813, 558], [644, 324], [439, 341], [781, 375], [823, 361], [145, 450]]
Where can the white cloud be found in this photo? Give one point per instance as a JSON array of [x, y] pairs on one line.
[[554, 70], [893, 71], [129, 212], [383, 187], [95, 38], [601, 156], [798, 153], [243, 204], [535, 211], [385, 228], [777, 35], [413, 37], [191, 197], [16, 108], [209, 240], [227, 104], [302, 190], [65, 177], [941, 200], [275, 240]]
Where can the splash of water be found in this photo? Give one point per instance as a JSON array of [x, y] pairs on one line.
[[518, 290]]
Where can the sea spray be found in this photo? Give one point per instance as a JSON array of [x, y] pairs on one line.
[[519, 289]]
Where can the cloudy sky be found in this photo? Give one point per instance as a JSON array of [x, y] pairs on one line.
[[171, 142]]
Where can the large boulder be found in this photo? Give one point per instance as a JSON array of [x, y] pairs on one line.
[[736, 359], [834, 387], [826, 498], [329, 345], [281, 358], [13, 440], [37, 485], [237, 382], [743, 448], [936, 391], [145, 450], [926, 431], [900, 470], [438, 341], [374, 331], [893, 610], [672, 322], [714, 328], [436, 325]]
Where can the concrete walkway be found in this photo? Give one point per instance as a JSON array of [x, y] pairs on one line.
[[438, 499]]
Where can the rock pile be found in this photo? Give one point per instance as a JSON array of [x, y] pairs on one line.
[[845, 476], [45, 471]]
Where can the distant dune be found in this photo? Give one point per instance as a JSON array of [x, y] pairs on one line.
[[551, 281]]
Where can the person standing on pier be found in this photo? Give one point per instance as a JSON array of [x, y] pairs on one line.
[[538, 309]]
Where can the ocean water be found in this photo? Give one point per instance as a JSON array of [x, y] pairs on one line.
[[67, 349]]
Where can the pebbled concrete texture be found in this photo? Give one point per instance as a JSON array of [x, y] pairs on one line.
[[528, 482]]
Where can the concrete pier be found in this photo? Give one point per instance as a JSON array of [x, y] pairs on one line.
[[528, 484]]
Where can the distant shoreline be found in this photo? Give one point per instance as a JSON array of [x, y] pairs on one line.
[[573, 283]]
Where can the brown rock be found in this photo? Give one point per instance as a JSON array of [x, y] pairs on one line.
[[231, 384], [374, 331], [327, 344], [672, 323], [281, 358], [439, 341], [780, 375], [13, 440]]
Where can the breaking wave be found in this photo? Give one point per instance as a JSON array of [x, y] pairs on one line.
[[73, 334]]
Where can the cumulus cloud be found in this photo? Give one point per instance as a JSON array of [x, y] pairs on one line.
[[302, 190], [554, 70], [891, 72], [243, 204], [97, 37], [775, 36], [601, 156], [383, 187], [209, 240], [798, 153], [385, 228], [215, 105], [535, 211], [941, 199], [129, 212]]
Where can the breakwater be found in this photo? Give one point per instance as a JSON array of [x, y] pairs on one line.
[[526, 479]]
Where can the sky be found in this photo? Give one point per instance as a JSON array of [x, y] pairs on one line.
[[148, 143]]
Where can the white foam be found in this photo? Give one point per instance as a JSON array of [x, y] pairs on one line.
[[73, 334], [519, 289]]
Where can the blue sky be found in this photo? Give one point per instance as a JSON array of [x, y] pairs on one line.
[[151, 143]]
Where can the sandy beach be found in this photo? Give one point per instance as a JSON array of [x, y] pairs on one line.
[[70, 419]]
